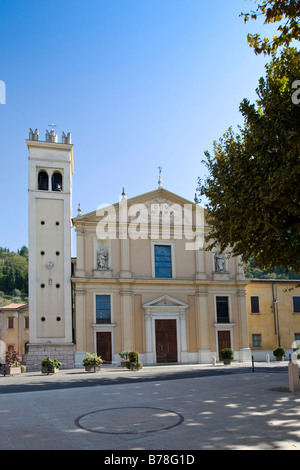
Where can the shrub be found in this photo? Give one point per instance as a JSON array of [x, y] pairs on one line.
[[92, 360], [281, 351], [12, 359], [51, 364], [133, 357], [226, 353]]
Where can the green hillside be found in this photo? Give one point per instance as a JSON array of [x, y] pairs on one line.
[[252, 272], [13, 275]]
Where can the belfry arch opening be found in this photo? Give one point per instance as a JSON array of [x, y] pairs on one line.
[[43, 181], [57, 181]]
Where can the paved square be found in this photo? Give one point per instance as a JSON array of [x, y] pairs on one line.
[[238, 411]]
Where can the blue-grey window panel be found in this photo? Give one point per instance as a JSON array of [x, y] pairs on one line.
[[103, 309], [163, 262]]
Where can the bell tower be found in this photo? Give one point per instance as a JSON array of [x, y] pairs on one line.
[[50, 211]]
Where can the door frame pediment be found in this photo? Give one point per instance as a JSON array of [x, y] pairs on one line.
[[165, 307], [165, 302]]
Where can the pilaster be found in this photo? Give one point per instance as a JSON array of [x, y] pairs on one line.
[[202, 322], [200, 263], [127, 319], [80, 272]]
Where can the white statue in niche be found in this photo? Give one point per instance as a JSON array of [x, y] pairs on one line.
[[219, 262], [102, 258]]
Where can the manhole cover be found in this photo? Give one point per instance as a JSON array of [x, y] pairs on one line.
[[129, 420]]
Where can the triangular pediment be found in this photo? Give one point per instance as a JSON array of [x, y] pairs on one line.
[[159, 195], [165, 301], [157, 202]]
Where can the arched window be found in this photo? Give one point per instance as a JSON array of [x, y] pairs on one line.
[[43, 181], [56, 181]]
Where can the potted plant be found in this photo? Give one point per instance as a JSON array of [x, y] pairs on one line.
[[124, 358], [133, 361], [92, 362], [226, 355], [279, 353], [12, 364], [50, 366]]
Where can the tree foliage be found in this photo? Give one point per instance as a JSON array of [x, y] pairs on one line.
[[255, 272], [14, 271], [253, 183], [284, 12]]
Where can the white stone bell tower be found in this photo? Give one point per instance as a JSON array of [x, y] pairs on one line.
[[50, 212]]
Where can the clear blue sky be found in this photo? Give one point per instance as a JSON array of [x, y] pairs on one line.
[[138, 83]]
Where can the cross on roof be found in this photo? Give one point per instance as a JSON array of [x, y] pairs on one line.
[[159, 178], [52, 125]]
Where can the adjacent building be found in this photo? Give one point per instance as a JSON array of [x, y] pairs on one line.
[[273, 316], [14, 329]]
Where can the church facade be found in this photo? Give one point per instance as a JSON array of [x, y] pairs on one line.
[[142, 282], [141, 278]]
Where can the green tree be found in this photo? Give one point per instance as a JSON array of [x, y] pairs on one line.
[[284, 12], [252, 187], [23, 251], [10, 280], [14, 270]]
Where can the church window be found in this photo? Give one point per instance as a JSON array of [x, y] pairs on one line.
[[222, 310], [254, 303], [163, 261], [43, 183], [56, 181], [103, 309]]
